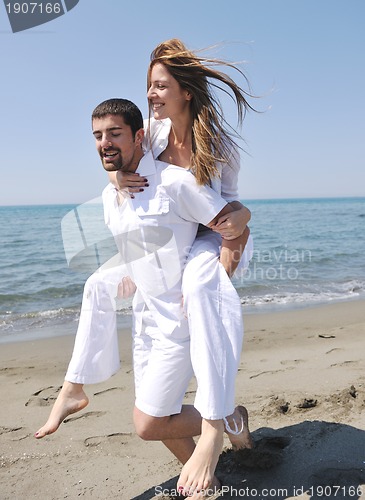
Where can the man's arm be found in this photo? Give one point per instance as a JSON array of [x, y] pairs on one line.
[[231, 250]]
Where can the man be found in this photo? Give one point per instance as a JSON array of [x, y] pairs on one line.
[[160, 224]]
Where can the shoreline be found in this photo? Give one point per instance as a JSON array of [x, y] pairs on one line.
[[302, 378], [124, 320]]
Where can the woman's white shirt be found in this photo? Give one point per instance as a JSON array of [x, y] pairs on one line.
[[226, 184]]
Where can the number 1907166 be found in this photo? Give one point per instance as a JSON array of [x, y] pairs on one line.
[[334, 491], [34, 8]]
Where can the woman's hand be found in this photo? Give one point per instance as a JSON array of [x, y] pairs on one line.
[[128, 181], [233, 224]]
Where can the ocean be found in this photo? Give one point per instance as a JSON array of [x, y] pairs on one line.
[[306, 252]]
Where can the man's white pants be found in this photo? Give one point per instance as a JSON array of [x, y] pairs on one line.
[[215, 321]]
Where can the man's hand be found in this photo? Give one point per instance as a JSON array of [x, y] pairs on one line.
[[126, 288]]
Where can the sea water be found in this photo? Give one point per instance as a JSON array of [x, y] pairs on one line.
[[306, 251]]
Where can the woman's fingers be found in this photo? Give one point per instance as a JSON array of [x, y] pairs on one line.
[[130, 180]]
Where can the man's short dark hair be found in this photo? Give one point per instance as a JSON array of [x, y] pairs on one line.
[[120, 107]]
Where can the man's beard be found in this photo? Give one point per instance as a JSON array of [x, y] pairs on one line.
[[114, 165]]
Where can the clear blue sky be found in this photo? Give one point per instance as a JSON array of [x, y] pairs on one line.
[[305, 57]]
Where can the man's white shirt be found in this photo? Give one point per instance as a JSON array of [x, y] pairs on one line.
[[154, 232]]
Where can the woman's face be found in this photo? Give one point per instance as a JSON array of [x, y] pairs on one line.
[[166, 97]]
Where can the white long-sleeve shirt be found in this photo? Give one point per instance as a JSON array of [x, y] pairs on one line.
[[225, 184], [154, 232]]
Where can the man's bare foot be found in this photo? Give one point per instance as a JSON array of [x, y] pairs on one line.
[[238, 422], [197, 475], [70, 400], [212, 490]]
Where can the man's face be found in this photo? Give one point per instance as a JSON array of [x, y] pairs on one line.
[[115, 143]]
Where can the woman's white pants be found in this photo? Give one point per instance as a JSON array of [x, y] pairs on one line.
[[215, 321], [95, 357]]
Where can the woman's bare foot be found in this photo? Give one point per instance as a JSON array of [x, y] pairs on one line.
[[238, 422], [197, 475], [70, 400]]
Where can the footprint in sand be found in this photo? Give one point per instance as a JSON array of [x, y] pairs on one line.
[[344, 398], [275, 405], [347, 362], [109, 390], [270, 372], [5, 430], [87, 414], [334, 349], [44, 397], [14, 371], [15, 433], [109, 440], [307, 403], [291, 361]]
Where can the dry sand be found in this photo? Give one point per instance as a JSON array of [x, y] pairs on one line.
[[302, 378]]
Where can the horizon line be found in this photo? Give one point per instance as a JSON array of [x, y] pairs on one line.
[[241, 199]]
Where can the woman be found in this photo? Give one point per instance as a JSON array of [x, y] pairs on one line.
[[193, 134], [188, 129]]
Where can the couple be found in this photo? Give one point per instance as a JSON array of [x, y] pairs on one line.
[[171, 342]]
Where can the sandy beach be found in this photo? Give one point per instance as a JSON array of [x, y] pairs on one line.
[[302, 379]]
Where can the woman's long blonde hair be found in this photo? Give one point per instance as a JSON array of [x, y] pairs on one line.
[[212, 137]]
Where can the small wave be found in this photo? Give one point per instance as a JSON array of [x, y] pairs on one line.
[[307, 295], [47, 298], [20, 322]]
